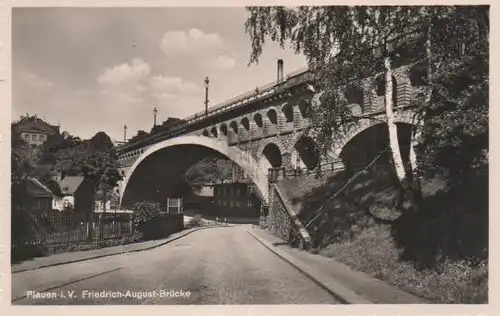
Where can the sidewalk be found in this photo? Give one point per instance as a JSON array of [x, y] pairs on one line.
[[352, 287], [70, 257]]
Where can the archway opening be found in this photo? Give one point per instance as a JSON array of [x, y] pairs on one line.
[[223, 129], [305, 108], [206, 133], [380, 88], [234, 127], [214, 132], [354, 95], [258, 120], [161, 174], [288, 112], [272, 154], [245, 123], [308, 152], [273, 116], [418, 75], [373, 142]]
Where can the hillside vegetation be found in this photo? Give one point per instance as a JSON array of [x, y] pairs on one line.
[[439, 254]]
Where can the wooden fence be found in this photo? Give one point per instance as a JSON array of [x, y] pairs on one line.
[[52, 231]]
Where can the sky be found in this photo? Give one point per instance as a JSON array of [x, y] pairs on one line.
[[97, 69]]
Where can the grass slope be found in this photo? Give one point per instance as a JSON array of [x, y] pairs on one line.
[[440, 254]]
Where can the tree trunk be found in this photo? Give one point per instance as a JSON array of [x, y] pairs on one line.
[[391, 125], [407, 185], [90, 213], [101, 228]]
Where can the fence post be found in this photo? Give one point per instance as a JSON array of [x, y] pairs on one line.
[[87, 224]]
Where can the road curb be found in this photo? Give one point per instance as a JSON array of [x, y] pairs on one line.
[[344, 294], [111, 254]]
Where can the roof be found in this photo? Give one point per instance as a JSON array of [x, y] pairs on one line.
[[36, 189], [70, 184], [36, 125]]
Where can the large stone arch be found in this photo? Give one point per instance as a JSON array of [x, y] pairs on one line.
[[240, 157], [350, 130]]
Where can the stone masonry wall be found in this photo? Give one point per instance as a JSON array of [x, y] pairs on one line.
[[279, 222]]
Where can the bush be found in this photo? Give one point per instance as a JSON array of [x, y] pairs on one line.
[[148, 221], [450, 282], [144, 212], [196, 221]]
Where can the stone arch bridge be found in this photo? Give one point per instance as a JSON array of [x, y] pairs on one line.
[[257, 130]]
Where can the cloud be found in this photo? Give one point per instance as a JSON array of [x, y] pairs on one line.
[[210, 50], [193, 42], [125, 74], [33, 81], [222, 62], [172, 86], [131, 88], [127, 82]]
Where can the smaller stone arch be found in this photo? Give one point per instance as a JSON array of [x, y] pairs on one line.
[[223, 129], [258, 120], [272, 116], [380, 87], [287, 110], [214, 132], [205, 133], [272, 153], [308, 152], [354, 95], [234, 127], [305, 107], [418, 75], [245, 123], [274, 141]]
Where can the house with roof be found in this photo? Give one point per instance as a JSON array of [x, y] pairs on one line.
[[77, 194], [34, 130], [236, 199], [39, 196]]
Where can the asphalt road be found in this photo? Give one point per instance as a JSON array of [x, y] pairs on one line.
[[213, 266]]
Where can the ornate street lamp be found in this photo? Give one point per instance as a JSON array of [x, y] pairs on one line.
[[155, 111], [206, 96]]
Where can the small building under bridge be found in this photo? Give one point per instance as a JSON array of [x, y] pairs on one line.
[[236, 199]]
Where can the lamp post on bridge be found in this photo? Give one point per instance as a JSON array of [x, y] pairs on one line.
[[125, 133], [155, 111], [206, 95]]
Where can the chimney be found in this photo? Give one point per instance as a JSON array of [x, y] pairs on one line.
[[280, 70]]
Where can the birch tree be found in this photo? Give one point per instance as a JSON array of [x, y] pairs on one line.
[[341, 45]]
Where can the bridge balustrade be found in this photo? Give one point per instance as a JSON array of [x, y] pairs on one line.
[[278, 173]]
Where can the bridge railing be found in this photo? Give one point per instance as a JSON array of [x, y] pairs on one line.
[[292, 79], [277, 173], [264, 90]]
